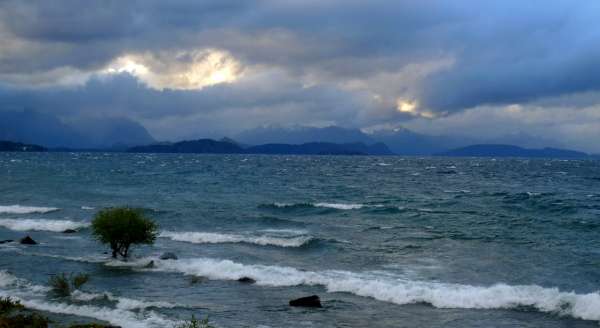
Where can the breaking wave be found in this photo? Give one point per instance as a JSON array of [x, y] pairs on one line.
[[217, 238], [127, 312], [18, 209], [398, 290], [336, 206], [41, 224]]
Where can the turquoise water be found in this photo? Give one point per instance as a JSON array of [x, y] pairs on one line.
[[385, 242]]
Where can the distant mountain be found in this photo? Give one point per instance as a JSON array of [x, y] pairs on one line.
[[512, 151], [406, 142], [38, 128], [401, 141], [321, 148], [113, 132], [230, 147], [192, 146], [29, 126], [302, 134], [20, 147]]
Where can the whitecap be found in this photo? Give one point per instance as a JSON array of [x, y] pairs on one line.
[[399, 290], [123, 303], [217, 238], [340, 206], [31, 296], [41, 224], [87, 208], [19, 209]]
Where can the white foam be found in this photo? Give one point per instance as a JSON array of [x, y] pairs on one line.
[[7, 279], [41, 224], [217, 238], [120, 317], [337, 206], [340, 206], [18, 209], [87, 208], [123, 303], [398, 290], [31, 296]]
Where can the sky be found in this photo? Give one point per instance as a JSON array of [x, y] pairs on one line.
[[193, 68]]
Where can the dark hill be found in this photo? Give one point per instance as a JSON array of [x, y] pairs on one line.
[[512, 151], [193, 146], [321, 148], [229, 147], [17, 146]]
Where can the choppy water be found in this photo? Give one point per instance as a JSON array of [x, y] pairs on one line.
[[385, 242]]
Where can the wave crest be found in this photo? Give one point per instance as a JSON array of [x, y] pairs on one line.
[[18, 209], [398, 290], [217, 238], [336, 206], [41, 224]]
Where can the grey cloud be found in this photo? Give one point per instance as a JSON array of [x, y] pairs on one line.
[[500, 52]]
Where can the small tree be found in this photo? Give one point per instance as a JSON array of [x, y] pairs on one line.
[[121, 227]]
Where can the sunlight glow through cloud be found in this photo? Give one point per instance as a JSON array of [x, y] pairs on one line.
[[184, 70]]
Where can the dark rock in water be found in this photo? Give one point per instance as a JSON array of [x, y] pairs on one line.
[[247, 280], [6, 241], [197, 279], [309, 301], [70, 231], [150, 265], [168, 256], [28, 241], [93, 325]]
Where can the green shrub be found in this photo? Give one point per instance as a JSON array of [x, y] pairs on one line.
[[79, 280], [195, 323], [63, 284], [8, 305], [60, 285], [121, 227], [24, 321]]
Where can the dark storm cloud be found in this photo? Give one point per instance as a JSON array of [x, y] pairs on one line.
[[496, 53]]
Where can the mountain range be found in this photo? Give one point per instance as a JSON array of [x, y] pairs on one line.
[[226, 146], [491, 150], [401, 141], [44, 129], [119, 134]]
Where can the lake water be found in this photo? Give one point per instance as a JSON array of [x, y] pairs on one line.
[[384, 241]]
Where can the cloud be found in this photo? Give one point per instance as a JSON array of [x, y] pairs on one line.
[[206, 64]]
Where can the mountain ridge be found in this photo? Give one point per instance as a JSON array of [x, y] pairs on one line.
[[501, 150]]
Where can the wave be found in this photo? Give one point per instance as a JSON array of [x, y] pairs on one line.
[[217, 238], [395, 289], [123, 303], [123, 314], [18, 209], [336, 206], [41, 225]]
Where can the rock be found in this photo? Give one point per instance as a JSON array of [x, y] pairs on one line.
[[197, 279], [246, 280], [309, 301], [28, 241], [93, 325], [150, 265], [168, 256], [6, 241], [70, 231]]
